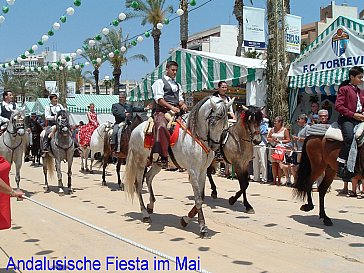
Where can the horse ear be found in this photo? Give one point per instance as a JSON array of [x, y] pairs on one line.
[[213, 104], [262, 108], [245, 108], [230, 103]]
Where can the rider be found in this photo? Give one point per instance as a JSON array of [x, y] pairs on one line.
[[168, 96], [221, 93], [6, 109], [122, 112], [50, 114], [349, 103]]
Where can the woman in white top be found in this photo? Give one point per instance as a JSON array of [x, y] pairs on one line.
[[277, 135], [221, 93]]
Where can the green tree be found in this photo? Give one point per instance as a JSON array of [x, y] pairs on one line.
[[153, 12], [238, 12], [112, 43], [80, 77], [5, 80]]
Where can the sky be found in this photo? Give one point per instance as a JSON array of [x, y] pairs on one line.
[[28, 20]]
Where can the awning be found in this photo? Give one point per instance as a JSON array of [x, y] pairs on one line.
[[29, 107], [325, 63], [201, 70], [80, 103]]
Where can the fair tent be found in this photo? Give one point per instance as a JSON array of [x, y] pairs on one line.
[[203, 70]]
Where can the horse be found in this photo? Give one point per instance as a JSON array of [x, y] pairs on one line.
[[14, 141], [36, 130], [96, 145], [193, 151], [236, 147], [62, 147], [318, 156], [121, 156]]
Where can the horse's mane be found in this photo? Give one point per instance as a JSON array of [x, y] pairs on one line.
[[193, 116]]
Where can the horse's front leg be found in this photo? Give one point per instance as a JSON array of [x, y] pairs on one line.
[[92, 161], [139, 188], [18, 164], [118, 165], [82, 158], [212, 183], [45, 170], [69, 173], [59, 176], [243, 178], [324, 186], [87, 152], [104, 165]]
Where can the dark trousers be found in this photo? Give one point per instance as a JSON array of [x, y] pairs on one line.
[[161, 135], [347, 129]]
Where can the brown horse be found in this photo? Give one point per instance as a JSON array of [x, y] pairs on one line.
[[121, 156], [318, 156]]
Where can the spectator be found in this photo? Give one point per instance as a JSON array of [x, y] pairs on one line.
[[323, 115], [312, 117], [260, 154]]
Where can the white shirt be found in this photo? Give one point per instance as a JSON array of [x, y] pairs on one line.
[[158, 86], [52, 109], [9, 107]]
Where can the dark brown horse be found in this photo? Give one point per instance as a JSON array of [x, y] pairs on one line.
[[236, 147], [124, 145], [36, 129], [318, 156]]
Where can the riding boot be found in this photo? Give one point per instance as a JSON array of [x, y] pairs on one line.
[[344, 173], [46, 145]]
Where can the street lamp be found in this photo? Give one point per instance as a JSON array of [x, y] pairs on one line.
[[106, 82]]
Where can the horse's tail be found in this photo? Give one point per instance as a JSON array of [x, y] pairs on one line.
[[50, 166], [303, 180], [130, 173]]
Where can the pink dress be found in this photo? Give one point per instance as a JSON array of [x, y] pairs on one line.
[[86, 131]]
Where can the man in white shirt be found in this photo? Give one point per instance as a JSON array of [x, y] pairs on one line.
[[168, 96], [50, 114], [7, 108]]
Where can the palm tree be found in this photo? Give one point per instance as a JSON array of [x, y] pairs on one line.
[[91, 54], [238, 12], [112, 43], [80, 78], [153, 12], [5, 80], [184, 23]]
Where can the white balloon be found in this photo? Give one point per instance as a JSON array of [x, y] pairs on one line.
[[10, 2], [39, 69], [6, 65], [56, 26], [77, 66], [98, 60], [63, 61], [32, 68], [105, 31], [123, 49], [35, 47], [54, 65], [111, 55], [87, 63], [73, 55], [45, 67], [122, 16], [45, 38], [91, 42], [69, 67], [140, 39], [26, 53], [19, 59], [60, 68], [159, 26], [180, 12], [79, 51], [12, 62], [2, 19], [70, 11]]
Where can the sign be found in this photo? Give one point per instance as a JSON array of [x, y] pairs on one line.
[[51, 87], [71, 89], [254, 32], [341, 48], [293, 34]]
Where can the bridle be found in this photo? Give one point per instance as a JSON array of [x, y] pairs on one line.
[[17, 124]]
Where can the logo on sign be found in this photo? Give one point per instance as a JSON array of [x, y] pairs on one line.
[[340, 41]]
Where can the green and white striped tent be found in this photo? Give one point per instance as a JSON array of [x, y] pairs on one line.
[[325, 63], [202, 71], [28, 107]]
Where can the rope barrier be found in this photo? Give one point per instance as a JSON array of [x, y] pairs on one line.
[[121, 238]]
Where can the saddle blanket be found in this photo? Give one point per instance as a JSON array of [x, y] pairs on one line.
[[149, 138]]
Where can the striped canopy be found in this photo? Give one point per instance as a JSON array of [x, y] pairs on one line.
[[325, 81], [28, 107], [199, 71]]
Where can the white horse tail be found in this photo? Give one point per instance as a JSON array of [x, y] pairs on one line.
[[130, 174], [50, 166]]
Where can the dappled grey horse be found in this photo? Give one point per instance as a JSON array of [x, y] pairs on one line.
[[205, 122], [61, 148], [14, 141]]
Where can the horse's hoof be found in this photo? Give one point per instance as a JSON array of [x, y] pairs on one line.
[[121, 186], [91, 172], [104, 183], [250, 211], [149, 210], [147, 220], [60, 192], [306, 207], [47, 190], [82, 169], [214, 194], [183, 222], [87, 170], [328, 222], [70, 191], [204, 233], [232, 200]]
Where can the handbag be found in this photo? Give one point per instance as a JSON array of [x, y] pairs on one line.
[[278, 153]]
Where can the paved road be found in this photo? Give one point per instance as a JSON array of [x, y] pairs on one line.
[[278, 238]]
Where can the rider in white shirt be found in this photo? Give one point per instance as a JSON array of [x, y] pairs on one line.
[[7, 108]]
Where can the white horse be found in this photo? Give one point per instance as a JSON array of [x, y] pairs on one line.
[[206, 122], [14, 141], [96, 145]]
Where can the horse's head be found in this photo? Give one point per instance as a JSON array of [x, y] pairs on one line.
[[251, 119], [62, 122], [17, 123]]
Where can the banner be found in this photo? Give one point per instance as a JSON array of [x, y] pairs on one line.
[[51, 87], [71, 89], [254, 32], [293, 33], [341, 47]]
